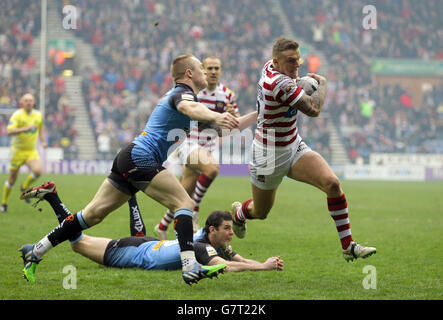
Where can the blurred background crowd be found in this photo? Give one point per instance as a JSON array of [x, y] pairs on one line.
[[135, 40]]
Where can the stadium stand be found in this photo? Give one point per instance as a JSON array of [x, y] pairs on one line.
[[19, 25], [134, 41], [374, 117]]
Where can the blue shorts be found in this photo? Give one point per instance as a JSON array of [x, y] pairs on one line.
[[120, 253]]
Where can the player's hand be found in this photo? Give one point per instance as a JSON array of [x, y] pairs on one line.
[[44, 144], [317, 77], [31, 127], [230, 109], [274, 263], [227, 120]]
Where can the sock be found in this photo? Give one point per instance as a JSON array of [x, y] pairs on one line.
[[61, 212], [166, 220], [184, 233], [136, 225], [6, 191], [338, 208], [59, 208], [29, 180], [68, 229], [201, 187], [243, 213], [188, 259]]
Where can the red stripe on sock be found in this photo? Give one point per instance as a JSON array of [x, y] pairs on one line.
[[245, 209], [344, 227], [333, 201], [340, 216], [204, 180], [161, 226], [346, 241]]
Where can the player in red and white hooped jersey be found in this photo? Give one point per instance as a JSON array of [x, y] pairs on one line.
[[199, 151], [279, 151], [277, 115]]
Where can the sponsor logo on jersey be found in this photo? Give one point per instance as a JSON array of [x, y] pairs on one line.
[[188, 97], [211, 251]]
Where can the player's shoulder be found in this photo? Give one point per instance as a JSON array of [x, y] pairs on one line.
[[17, 113], [225, 89], [37, 113]]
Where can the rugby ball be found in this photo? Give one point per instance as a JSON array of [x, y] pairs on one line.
[[308, 84]]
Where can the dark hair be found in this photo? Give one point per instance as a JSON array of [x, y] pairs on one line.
[[283, 44], [216, 218]]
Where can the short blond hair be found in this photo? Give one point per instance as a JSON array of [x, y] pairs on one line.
[[180, 65], [283, 44], [213, 58]]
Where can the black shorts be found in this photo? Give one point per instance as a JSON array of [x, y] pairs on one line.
[[127, 177]]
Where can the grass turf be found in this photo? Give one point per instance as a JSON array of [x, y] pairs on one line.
[[402, 219]]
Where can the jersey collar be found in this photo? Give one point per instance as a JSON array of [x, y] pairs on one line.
[[184, 86]]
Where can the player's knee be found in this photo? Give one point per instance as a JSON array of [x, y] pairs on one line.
[[212, 170], [187, 203], [37, 173], [261, 214], [332, 185]]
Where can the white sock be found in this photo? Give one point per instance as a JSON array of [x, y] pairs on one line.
[[41, 247], [188, 260]]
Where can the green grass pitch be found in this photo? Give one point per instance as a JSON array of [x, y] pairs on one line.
[[404, 220]]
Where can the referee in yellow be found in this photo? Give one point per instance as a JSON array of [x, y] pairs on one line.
[[24, 126]]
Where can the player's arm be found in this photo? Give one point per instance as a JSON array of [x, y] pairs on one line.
[[41, 137], [312, 105], [243, 122], [13, 127], [238, 264], [198, 111]]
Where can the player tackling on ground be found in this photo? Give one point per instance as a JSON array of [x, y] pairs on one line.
[[279, 151], [212, 243]]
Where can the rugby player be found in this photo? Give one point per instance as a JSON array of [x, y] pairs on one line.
[[25, 125], [211, 243], [278, 150], [199, 153]]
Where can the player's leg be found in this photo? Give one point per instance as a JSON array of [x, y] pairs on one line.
[[7, 187], [200, 160], [107, 199], [91, 247], [313, 169], [36, 167], [165, 189], [188, 181], [199, 172], [256, 208], [136, 224]]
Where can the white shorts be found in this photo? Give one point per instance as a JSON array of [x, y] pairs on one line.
[[188, 146], [269, 165]]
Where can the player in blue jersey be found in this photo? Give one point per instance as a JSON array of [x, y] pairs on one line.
[[138, 167], [211, 243]]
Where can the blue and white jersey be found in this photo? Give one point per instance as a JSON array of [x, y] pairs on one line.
[[165, 126], [165, 254]]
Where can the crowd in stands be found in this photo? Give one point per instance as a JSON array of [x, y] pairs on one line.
[[372, 117], [19, 25], [135, 40]]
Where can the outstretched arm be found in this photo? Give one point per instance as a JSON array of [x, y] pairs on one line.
[[239, 264], [198, 111]]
